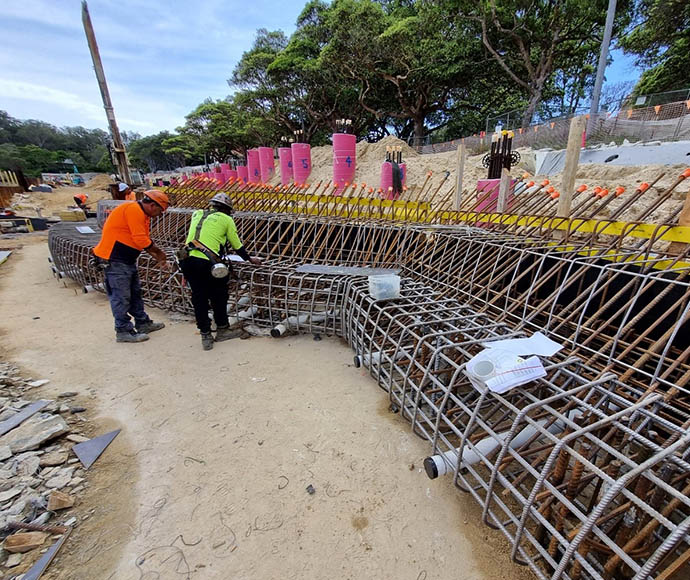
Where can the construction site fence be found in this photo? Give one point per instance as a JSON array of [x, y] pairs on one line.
[[662, 122]]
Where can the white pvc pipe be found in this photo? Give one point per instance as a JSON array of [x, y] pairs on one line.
[[443, 463], [90, 288], [248, 313], [375, 358], [278, 330], [295, 321]]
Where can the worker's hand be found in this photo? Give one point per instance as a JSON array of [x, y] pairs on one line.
[[157, 254], [256, 261]]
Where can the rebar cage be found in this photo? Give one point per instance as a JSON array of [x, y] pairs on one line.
[[585, 471]]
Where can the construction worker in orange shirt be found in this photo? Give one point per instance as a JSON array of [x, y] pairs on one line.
[[125, 235], [80, 200], [128, 192]]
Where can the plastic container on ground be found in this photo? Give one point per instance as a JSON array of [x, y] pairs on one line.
[[384, 287]]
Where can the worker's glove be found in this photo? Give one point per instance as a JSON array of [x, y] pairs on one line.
[[96, 263]]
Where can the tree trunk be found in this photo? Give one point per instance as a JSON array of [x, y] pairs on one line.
[[418, 131], [534, 99]]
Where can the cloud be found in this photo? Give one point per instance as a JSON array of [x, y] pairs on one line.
[[13, 89], [161, 58]]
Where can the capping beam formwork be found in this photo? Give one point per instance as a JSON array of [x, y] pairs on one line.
[[585, 471]]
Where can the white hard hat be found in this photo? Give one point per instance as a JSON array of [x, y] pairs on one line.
[[122, 187], [222, 199]]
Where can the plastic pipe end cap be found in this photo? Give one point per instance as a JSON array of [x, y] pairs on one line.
[[430, 468]]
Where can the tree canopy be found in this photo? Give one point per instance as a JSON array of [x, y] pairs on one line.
[[35, 146], [660, 39]]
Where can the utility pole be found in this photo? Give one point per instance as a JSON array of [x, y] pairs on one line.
[[601, 67], [118, 145]]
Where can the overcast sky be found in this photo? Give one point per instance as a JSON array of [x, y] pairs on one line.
[[161, 57]]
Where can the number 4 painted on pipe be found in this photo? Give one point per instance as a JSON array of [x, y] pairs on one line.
[[348, 160]]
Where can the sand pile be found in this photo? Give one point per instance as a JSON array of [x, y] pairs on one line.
[[100, 181], [370, 156], [630, 177]]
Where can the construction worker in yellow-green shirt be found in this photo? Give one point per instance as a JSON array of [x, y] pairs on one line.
[[210, 232]]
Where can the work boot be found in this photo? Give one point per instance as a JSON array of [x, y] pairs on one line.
[[224, 333], [206, 340], [130, 336], [149, 327]]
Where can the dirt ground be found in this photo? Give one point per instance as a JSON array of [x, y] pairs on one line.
[[208, 477]]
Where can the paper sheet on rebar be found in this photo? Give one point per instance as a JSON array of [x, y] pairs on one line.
[[507, 370], [525, 372], [536, 344]]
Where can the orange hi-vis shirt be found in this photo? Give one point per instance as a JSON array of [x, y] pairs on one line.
[[81, 197], [131, 196], [125, 234]]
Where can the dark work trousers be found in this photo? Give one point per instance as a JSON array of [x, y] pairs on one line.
[[206, 289], [124, 292]]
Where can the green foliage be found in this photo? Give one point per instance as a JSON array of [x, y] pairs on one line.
[[220, 129], [105, 164], [534, 39], [11, 158], [8, 128], [151, 153], [415, 68], [660, 38], [406, 66], [37, 147]]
